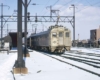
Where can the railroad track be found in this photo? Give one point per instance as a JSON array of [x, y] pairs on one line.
[[61, 60], [84, 53], [89, 61], [94, 64], [81, 56]]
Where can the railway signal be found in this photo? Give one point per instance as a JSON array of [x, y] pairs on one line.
[[28, 16]]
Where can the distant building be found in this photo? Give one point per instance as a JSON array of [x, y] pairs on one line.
[[84, 41], [95, 34]]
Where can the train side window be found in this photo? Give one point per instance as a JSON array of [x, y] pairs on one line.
[[60, 34], [54, 34], [67, 34]]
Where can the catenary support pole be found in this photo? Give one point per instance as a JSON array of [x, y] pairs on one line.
[[25, 24], [1, 22], [50, 12], [20, 63], [7, 29], [73, 24], [19, 32]]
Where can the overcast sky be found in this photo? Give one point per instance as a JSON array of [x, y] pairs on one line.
[[87, 14]]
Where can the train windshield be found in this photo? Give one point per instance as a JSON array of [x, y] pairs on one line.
[[54, 34], [60, 34], [67, 34]]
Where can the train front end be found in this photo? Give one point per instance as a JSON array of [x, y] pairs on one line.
[[60, 39]]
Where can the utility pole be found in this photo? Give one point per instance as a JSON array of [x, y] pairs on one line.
[[2, 21], [54, 11], [43, 28], [32, 28], [34, 25], [20, 63], [50, 11], [25, 4], [7, 29], [73, 24], [25, 24]]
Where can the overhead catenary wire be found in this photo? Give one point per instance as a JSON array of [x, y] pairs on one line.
[[55, 2], [88, 7], [78, 2], [65, 4], [80, 9], [52, 6], [46, 12], [88, 2], [68, 3], [44, 7]]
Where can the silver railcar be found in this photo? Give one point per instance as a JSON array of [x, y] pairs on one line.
[[55, 39]]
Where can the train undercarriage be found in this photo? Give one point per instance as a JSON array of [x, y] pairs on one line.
[[52, 49]]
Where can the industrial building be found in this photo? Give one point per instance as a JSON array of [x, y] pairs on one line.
[[95, 34], [94, 40]]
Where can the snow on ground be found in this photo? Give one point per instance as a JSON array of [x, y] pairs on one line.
[[6, 64], [87, 56], [82, 65], [88, 50], [41, 67]]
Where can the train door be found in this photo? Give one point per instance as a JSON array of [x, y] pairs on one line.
[[61, 38], [67, 39], [54, 39]]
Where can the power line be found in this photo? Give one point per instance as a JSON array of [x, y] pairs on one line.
[[87, 7], [68, 3], [44, 7], [55, 2], [88, 2], [79, 1], [53, 5], [65, 4]]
